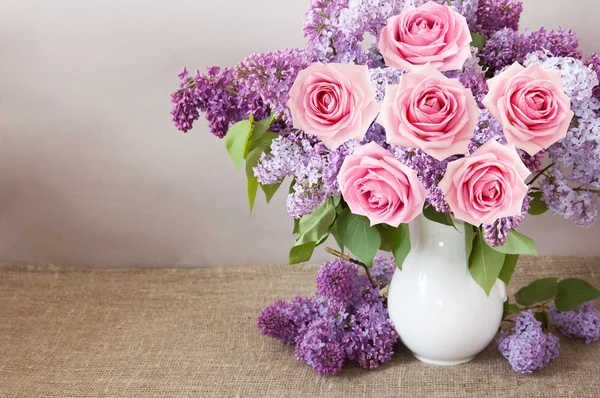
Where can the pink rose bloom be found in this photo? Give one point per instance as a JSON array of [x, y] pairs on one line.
[[376, 185], [429, 111], [335, 102], [430, 33], [531, 105], [487, 185]]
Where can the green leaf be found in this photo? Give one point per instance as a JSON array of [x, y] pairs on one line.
[[251, 161], [508, 268], [270, 190], [259, 128], [573, 292], [510, 309], [314, 226], [485, 264], [339, 227], [537, 206], [537, 292], [542, 316], [360, 238], [252, 188], [301, 253], [517, 243], [323, 239], [470, 233], [336, 200], [264, 142], [478, 41], [236, 140], [443, 218], [385, 239], [296, 226], [400, 243], [338, 236]]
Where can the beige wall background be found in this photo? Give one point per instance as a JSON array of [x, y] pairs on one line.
[[92, 170]]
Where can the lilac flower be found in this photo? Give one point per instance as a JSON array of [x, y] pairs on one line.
[[594, 62], [467, 8], [326, 38], [578, 78], [320, 347], [220, 96], [381, 78], [581, 323], [185, 103], [494, 15], [558, 43], [370, 337], [346, 320], [580, 206], [305, 159], [502, 48], [272, 74], [507, 46], [367, 16], [283, 320], [487, 128], [497, 233], [429, 170], [383, 270], [337, 280], [532, 162], [528, 350]]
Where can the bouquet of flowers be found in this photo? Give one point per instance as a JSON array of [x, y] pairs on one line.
[[451, 113]]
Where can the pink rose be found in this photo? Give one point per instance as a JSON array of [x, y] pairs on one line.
[[429, 111], [335, 102], [376, 185], [487, 185], [430, 33], [531, 105]]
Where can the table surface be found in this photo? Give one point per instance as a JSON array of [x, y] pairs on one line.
[[83, 332]]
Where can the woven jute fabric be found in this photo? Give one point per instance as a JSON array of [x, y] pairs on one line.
[[82, 332]]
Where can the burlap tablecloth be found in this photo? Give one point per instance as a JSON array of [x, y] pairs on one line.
[[81, 332]]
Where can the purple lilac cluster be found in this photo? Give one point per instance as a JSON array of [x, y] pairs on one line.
[[271, 75], [494, 15], [581, 323], [594, 63], [346, 320], [507, 46], [304, 159], [219, 95], [326, 38], [528, 349], [429, 170], [497, 232], [473, 77]]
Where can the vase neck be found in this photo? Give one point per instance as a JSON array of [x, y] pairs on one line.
[[436, 239]]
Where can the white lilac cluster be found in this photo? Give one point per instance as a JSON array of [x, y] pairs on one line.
[[367, 16], [381, 78], [573, 194], [578, 79]]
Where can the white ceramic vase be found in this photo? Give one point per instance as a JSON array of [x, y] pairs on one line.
[[441, 314]]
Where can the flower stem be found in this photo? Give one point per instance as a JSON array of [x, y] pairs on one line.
[[540, 173], [352, 260]]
